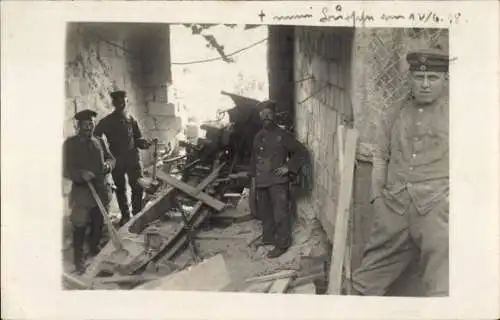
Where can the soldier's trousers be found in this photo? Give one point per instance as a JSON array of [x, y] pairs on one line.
[[394, 242], [133, 170], [95, 222], [273, 209]]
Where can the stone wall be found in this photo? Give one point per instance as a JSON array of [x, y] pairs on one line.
[[339, 93], [102, 57], [321, 105]]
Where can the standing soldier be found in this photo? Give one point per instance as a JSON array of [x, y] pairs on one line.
[[270, 168], [125, 138], [87, 159], [410, 185]]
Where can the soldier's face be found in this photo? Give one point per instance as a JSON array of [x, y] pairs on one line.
[[427, 86], [86, 127], [267, 116], [120, 103]]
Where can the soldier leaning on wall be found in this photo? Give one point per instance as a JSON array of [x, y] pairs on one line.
[[410, 185], [271, 171], [125, 139]]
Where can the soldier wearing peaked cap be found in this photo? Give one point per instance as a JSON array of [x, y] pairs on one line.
[[125, 139], [87, 159], [410, 185], [270, 169]]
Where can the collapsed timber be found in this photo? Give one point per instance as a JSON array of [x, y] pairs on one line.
[[202, 202]]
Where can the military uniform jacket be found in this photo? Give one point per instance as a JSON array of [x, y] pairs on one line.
[[87, 154], [271, 148], [411, 159], [123, 135]]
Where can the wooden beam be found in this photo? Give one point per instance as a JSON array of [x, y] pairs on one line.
[[274, 276], [76, 282], [192, 191], [343, 208], [280, 285], [124, 279], [209, 275]]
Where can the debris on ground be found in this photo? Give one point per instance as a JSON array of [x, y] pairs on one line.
[[204, 195]]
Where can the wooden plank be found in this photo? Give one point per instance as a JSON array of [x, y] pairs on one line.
[[209, 275], [124, 279], [274, 276], [341, 224], [156, 205], [347, 256], [259, 287], [192, 191], [280, 285], [221, 237], [309, 288], [76, 282]]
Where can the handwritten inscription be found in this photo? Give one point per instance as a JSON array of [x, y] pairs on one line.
[[338, 14]]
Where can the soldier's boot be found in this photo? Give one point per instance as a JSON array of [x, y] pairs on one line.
[[137, 199], [276, 252], [78, 241], [121, 198], [95, 236]]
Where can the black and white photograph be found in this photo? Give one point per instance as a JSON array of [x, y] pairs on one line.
[[300, 153], [247, 172]]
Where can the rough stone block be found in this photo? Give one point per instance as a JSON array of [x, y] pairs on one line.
[[149, 122], [73, 87], [169, 123], [161, 109], [160, 94]]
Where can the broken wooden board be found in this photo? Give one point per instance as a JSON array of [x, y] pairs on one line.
[[192, 191], [125, 279], [274, 276], [209, 275], [260, 287], [153, 211], [308, 288], [75, 282], [342, 213], [280, 285], [232, 213]]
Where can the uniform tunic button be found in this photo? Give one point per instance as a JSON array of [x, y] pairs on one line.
[[261, 148], [419, 123], [420, 110], [414, 155], [411, 168]]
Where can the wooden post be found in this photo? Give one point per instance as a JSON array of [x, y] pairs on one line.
[[342, 214]]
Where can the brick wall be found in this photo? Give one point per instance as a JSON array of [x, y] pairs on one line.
[[321, 105]]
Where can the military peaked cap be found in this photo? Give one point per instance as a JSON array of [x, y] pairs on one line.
[[428, 60], [86, 114], [119, 94]]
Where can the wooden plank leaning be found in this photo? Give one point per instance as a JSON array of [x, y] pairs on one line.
[[192, 191], [342, 213]]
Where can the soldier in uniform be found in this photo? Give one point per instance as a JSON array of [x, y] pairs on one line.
[[87, 158], [270, 169], [125, 139], [410, 185]]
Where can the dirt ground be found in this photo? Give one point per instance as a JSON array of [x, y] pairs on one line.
[[234, 242]]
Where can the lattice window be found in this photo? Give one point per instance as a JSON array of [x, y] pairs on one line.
[[383, 71]]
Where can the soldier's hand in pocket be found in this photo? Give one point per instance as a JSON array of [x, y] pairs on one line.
[[281, 171], [87, 175]]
